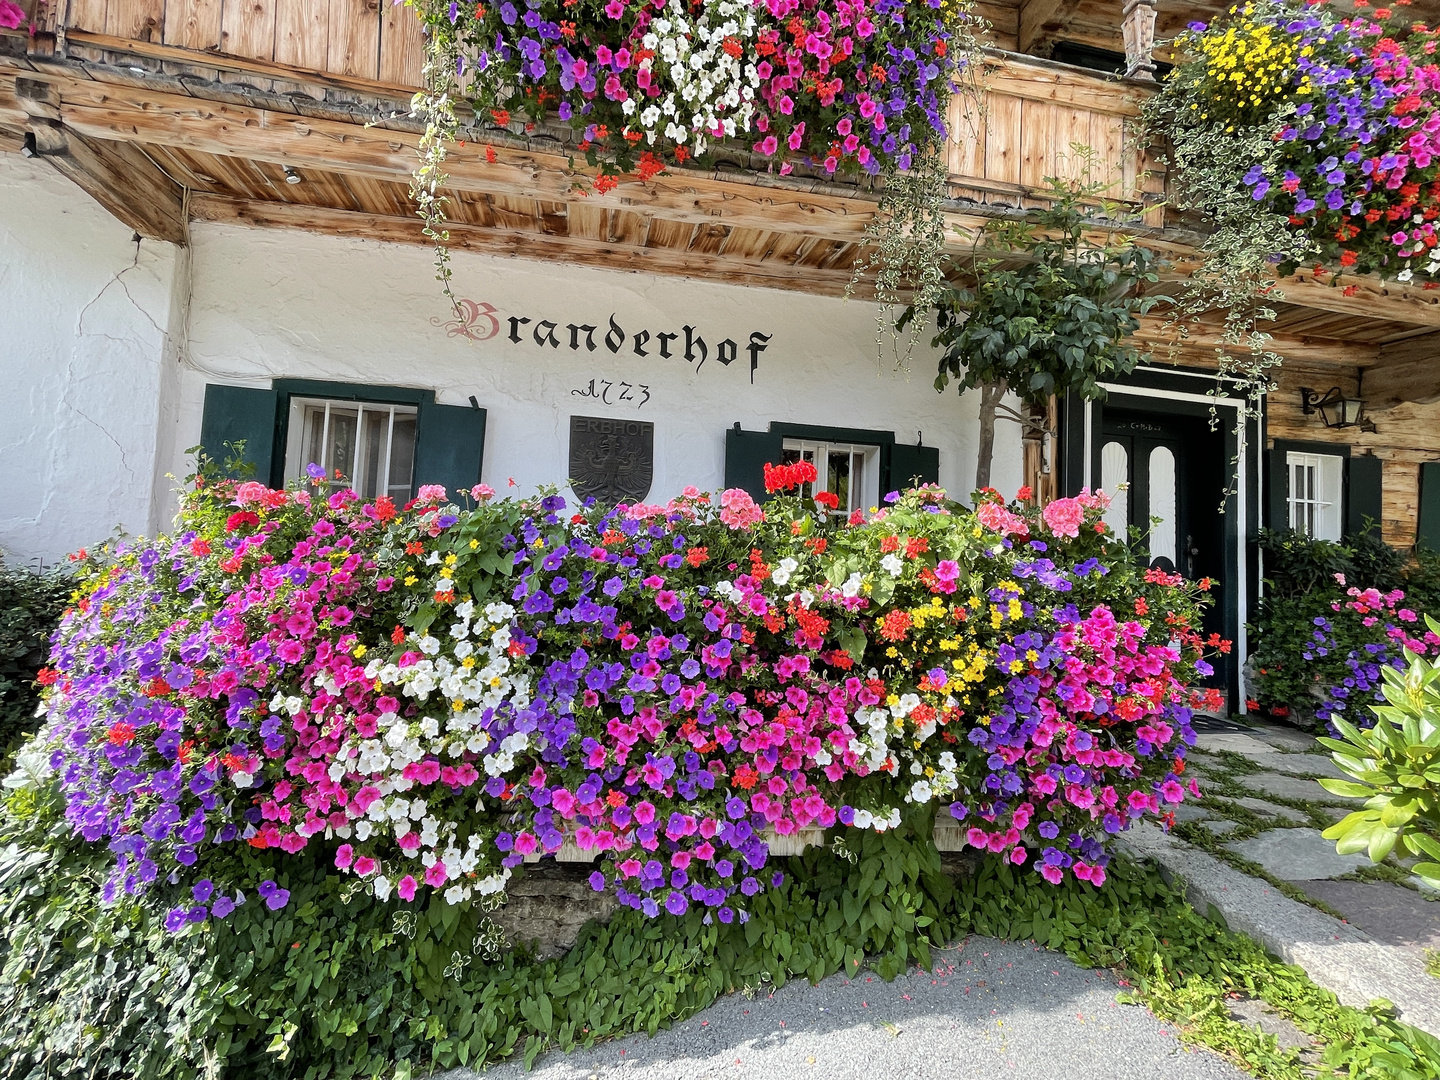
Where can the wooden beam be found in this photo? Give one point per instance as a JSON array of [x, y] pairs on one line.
[[523, 244], [1372, 298], [1408, 371], [1041, 20], [1034, 82], [1158, 335], [264, 69], [116, 175], [129, 114]]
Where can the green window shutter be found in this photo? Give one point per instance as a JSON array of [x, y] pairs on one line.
[[1428, 533], [1362, 496], [1277, 491], [449, 446], [746, 455], [236, 414], [911, 466]]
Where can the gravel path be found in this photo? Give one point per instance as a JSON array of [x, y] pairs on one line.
[[989, 1009]]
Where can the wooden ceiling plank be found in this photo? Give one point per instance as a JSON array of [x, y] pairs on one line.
[[1042, 21], [118, 112], [1408, 371], [117, 175], [521, 243]]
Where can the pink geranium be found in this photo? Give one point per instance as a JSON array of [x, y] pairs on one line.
[[996, 518], [1064, 517], [738, 510], [11, 15]]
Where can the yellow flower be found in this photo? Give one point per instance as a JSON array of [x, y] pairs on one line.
[[411, 579], [474, 544], [360, 651]]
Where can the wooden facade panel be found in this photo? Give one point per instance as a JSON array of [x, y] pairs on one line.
[[402, 46], [1107, 139], [354, 47], [966, 150], [247, 28], [302, 33], [87, 15], [1041, 142], [1404, 437], [193, 24], [1002, 138], [138, 20]]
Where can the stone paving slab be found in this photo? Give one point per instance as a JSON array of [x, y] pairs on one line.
[[1291, 787], [1285, 813], [1297, 855], [1236, 742], [1221, 827], [1300, 764], [1283, 736], [1387, 912], [1335, 955], [989, 1009]]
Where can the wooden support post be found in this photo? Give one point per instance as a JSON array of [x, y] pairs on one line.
[[118, 176], [1138, 30], [1040, 22], [44, 28]]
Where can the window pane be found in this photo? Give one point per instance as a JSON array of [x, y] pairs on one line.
[[838, 479], [1114, 472], [1163, 499], [402, 457], [372, 449], [340, 447]]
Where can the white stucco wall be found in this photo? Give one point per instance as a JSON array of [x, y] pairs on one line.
[[107, 346], [84, 313], [271, 303]]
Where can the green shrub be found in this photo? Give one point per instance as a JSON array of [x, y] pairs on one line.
[[344, 986], [1331, 618], [30, 606], [1396, 768]]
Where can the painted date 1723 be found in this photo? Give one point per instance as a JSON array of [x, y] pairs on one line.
[[610, 392]]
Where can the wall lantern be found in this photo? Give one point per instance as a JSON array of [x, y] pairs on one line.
[[1337, 410]]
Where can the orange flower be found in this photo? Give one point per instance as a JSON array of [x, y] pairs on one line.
[[896, 625]]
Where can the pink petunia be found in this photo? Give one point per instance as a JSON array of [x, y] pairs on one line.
[[406, 888]]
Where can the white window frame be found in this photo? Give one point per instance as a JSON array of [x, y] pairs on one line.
[[300, 427], [863, 496], [1315, 493]]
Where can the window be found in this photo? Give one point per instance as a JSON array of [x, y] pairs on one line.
[[364, 445], [849, 471], [1315, 494]]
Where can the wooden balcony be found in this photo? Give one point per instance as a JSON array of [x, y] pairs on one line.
[[169, 111]]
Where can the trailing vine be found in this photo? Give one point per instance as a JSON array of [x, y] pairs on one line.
[[1303, 136], [860, 89]]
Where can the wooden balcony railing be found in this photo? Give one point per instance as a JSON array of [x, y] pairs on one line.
[[371, 40], [1030, 120], [1030, 116]]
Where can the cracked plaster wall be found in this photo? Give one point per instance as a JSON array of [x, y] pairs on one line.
[[83, 318], [270, 303]]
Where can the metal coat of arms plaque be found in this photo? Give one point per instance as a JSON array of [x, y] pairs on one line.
[[611, 460]]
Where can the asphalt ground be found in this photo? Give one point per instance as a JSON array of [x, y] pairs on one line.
[[988, 1009]]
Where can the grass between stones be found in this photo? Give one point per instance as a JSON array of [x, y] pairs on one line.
[[1220, 790]]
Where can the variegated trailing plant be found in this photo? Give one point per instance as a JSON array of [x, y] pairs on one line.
[[857, 87]]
